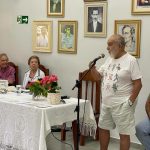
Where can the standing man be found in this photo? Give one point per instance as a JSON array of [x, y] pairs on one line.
[[143, 128], [121, 84], [95, 25], [6, 72]]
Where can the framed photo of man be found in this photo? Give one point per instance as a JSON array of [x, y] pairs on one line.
[[55, 8], [140, 7], [95, 19], [42, 36], [131, 31], [67, 36]]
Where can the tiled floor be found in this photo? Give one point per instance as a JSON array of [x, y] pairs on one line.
[[54, 144]]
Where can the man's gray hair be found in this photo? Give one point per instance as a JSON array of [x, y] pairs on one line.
[[3, 54], [120, 40]]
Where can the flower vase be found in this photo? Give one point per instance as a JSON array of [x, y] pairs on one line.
[[53, 98], [37, 97]]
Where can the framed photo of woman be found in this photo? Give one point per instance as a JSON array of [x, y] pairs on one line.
[[42, 36], [131, 31], [67, 36]]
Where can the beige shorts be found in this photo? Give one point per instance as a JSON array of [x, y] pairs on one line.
[[120, 116]]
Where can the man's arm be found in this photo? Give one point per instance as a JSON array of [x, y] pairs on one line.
[[11, 77], [147, 106], [137, 85]]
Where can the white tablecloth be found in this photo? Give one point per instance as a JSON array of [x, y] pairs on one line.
[[24, 124]]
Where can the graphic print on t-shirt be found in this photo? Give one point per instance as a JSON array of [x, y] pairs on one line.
[[111, 76]]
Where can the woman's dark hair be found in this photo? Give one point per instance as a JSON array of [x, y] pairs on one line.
[[34, 57]]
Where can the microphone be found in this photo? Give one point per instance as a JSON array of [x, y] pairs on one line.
[[92, 63], [99, 57], [96, 59]]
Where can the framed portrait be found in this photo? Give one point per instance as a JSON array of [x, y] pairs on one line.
[[95, 19], [67, 36], [140, 7], [131, 31], [55, 8], [42, 36]]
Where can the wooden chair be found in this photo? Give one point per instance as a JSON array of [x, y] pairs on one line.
[[91, 90], [16, 73], [44, 69]]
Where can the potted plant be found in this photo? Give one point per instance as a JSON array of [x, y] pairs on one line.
[[48, 87]]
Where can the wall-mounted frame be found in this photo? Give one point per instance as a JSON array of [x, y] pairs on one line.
[[131, 31], [42, 36], [67, 36], [95, 19], [140, 7], [55, 8]]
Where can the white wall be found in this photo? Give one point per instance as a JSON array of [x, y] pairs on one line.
[[16, 41]]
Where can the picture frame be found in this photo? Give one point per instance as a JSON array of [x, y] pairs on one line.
[[55, 8], [131, 31], [42, 36], [140, 7], [96, 11], [67, 36]]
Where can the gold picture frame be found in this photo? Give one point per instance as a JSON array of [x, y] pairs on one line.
[[95, 11], [55, 8], [42, 36], [140, 7], [131, 31], [67, 36]]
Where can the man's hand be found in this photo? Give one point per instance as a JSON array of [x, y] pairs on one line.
[[137, 85]]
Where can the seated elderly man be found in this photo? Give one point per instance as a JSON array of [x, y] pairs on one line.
[[143, 128], [6, 72]]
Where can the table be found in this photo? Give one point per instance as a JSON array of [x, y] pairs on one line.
[[24, 123]]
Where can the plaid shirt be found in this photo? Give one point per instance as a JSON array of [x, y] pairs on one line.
[[7, 73]]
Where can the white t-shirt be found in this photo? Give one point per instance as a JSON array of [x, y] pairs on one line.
[[118, 75]]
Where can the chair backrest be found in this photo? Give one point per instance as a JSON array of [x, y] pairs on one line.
[[16, 72], [91, 88], [44, 69]]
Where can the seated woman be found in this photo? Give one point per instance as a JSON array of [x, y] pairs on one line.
[[6, 72], [143, 128], [34, 73]]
